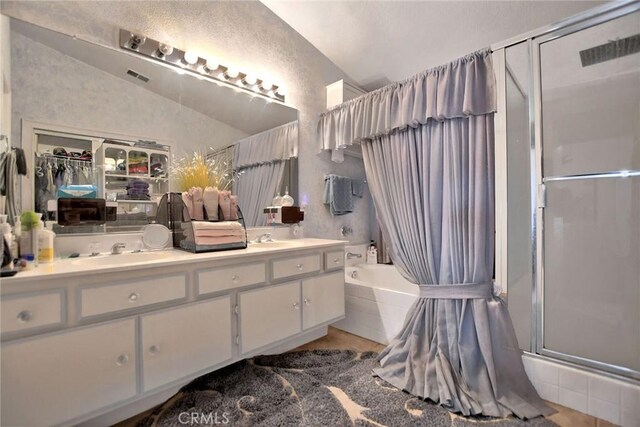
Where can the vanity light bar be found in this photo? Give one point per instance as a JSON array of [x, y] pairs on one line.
[[188, 61]]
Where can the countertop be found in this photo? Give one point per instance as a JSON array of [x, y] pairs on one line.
[[169, 257]]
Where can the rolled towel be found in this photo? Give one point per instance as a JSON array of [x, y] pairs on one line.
[[198, 205], [234, 208], [188, 202], [224, 200], [224, 225], [218, 240], [210, 199]]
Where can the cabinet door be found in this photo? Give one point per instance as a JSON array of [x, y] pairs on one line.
[[268, 315], [182, 341], [56, 378], [323, 299]]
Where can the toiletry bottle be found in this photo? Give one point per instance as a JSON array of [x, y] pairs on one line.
[[46, 238], [277, 201], [287, 200], [372, 253]]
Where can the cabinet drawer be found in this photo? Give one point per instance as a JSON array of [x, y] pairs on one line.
[[231, 277], [268, 315], [139, 293], [52, 379], [333, 260], [295, 266], [185, 340], [31, 311]]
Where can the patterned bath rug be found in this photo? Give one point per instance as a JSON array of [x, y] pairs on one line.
[[327, 388]]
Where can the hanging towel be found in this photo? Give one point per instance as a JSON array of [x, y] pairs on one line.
[[338, 194], [210, 200], [357, 187]]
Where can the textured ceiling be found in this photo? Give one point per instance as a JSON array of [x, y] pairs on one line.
[[379, 42]]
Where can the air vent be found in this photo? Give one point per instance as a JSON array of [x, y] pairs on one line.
[[612, 50], [138, 75]]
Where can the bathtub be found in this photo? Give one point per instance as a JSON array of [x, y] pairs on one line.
[[377, 299]]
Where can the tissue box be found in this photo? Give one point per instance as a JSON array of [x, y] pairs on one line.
[[77, 191]]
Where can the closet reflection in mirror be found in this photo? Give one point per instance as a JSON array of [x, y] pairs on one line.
[[101, 127]]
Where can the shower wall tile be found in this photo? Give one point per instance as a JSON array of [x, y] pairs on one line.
[[573, 400], [574, 380], [604, 389], [602, 409], [612, 400]]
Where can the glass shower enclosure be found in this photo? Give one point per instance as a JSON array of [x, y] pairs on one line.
[[569, 228]]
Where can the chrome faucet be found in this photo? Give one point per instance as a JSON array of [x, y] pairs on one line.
[[352, 255], [266, 237], [117, 248]]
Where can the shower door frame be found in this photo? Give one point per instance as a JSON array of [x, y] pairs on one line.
[[534, 40]]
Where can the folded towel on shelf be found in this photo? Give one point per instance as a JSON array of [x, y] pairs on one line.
[[223, 225], [357, 187], [338, 194], [220, 233], [210, 200], [203, 240]]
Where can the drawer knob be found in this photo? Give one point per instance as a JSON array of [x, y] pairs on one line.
[[296, 306], [300, 267], [336, 260], [307, 301], [122, 360], [154, 349], [134, 297], [25, 316], [235, 278]]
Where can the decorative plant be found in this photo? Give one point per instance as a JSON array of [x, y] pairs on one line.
[[200, 170]]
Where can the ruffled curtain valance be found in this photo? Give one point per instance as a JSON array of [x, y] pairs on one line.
[[464, 87], [276, 144]]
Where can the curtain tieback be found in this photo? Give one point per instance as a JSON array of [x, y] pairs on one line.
[[457, 291]]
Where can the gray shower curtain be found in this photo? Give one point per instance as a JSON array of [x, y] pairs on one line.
[[427, 144]]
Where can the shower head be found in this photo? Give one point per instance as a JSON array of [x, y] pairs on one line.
[[612, 50]]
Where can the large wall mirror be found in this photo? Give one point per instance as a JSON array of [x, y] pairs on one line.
[[92, 115]]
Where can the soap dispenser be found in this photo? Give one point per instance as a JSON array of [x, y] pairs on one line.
[[287, 200]]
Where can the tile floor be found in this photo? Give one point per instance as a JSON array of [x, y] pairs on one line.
[[337, 339]]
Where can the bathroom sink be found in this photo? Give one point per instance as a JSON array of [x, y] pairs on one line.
[[123, 258], [276, 244]]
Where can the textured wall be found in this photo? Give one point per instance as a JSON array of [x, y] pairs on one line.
[[246, 35], [46, 85]]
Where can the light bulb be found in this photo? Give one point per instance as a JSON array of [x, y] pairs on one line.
[[249, 80], [136, 41], [190, 57], [164, 50], [266, 85], [211, 66], [231, 73]]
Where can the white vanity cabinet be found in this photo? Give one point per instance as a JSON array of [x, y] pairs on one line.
[[322, 299], [268, 315], [184, 340], [100, 346], [50, 379]]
